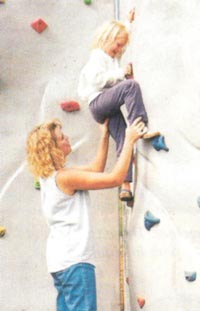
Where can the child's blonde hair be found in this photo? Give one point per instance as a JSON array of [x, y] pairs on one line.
[[108, 33], [44, 157]]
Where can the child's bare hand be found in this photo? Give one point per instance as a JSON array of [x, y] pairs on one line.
[[131, 15], [128, 70], [136, 130]]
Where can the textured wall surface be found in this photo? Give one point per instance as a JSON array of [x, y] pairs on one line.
[[37, 72], [165, 51]]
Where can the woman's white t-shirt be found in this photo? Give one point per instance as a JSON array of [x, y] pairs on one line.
[[70, 240]]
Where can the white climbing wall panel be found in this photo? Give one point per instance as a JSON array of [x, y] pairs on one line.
[[38, 71], [165, 51]]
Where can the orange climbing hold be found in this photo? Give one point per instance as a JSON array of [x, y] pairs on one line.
[[39, 25], [70, 106], [141, 301]]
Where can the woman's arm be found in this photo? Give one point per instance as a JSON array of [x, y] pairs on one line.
[[70, 180], [99, 162]]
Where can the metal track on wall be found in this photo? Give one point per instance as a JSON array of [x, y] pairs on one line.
[[117, 9]]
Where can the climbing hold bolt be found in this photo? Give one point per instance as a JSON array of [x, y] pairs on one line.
[[198, 201], [88, 1], [190, 276], [141, 302], [150, 220], [70, 106], [39, 25], [2, 231], [158, 143]]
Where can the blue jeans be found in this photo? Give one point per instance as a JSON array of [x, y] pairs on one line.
[[76, 288]]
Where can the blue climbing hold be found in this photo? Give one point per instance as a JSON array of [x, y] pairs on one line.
[[158, 143], [190, 276], [198, 201], [150, 220]]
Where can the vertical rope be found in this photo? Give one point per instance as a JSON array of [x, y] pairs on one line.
[[120, 208]]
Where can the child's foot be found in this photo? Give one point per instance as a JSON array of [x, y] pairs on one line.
[[150, 135], [125, 192], [125, 195]]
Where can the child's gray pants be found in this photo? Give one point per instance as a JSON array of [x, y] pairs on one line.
[[107, 105]]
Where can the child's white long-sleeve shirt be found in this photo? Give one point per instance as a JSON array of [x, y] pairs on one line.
[[101, 71]]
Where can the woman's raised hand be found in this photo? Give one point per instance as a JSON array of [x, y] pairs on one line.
[[136, 130], [104, 127]]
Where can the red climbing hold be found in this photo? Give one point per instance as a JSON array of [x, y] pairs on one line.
[[39, 25], [141, 301], [70, 106]]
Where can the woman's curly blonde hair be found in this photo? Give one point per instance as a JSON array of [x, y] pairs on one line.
[[44, 157]]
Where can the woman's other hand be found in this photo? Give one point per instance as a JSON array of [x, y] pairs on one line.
[[104, 127]]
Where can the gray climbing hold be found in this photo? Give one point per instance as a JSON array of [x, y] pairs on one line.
[[158, 143], [190, 276], [150, 220], [198, 201]]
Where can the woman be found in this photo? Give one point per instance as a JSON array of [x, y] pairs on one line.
[[103, 86], [66, 207]]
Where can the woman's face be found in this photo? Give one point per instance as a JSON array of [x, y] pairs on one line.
[[115, 49], [62, 141]]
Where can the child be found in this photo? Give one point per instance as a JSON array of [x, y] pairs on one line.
[[103, 85]]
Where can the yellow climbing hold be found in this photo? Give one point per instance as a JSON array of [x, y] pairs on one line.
[[2, 231]]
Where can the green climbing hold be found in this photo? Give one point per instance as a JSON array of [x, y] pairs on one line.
[[150, 220], [190, 276], [88, 1], [37, 185]]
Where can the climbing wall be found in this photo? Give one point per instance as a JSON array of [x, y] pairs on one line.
[[44, 45], [163, 229]]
